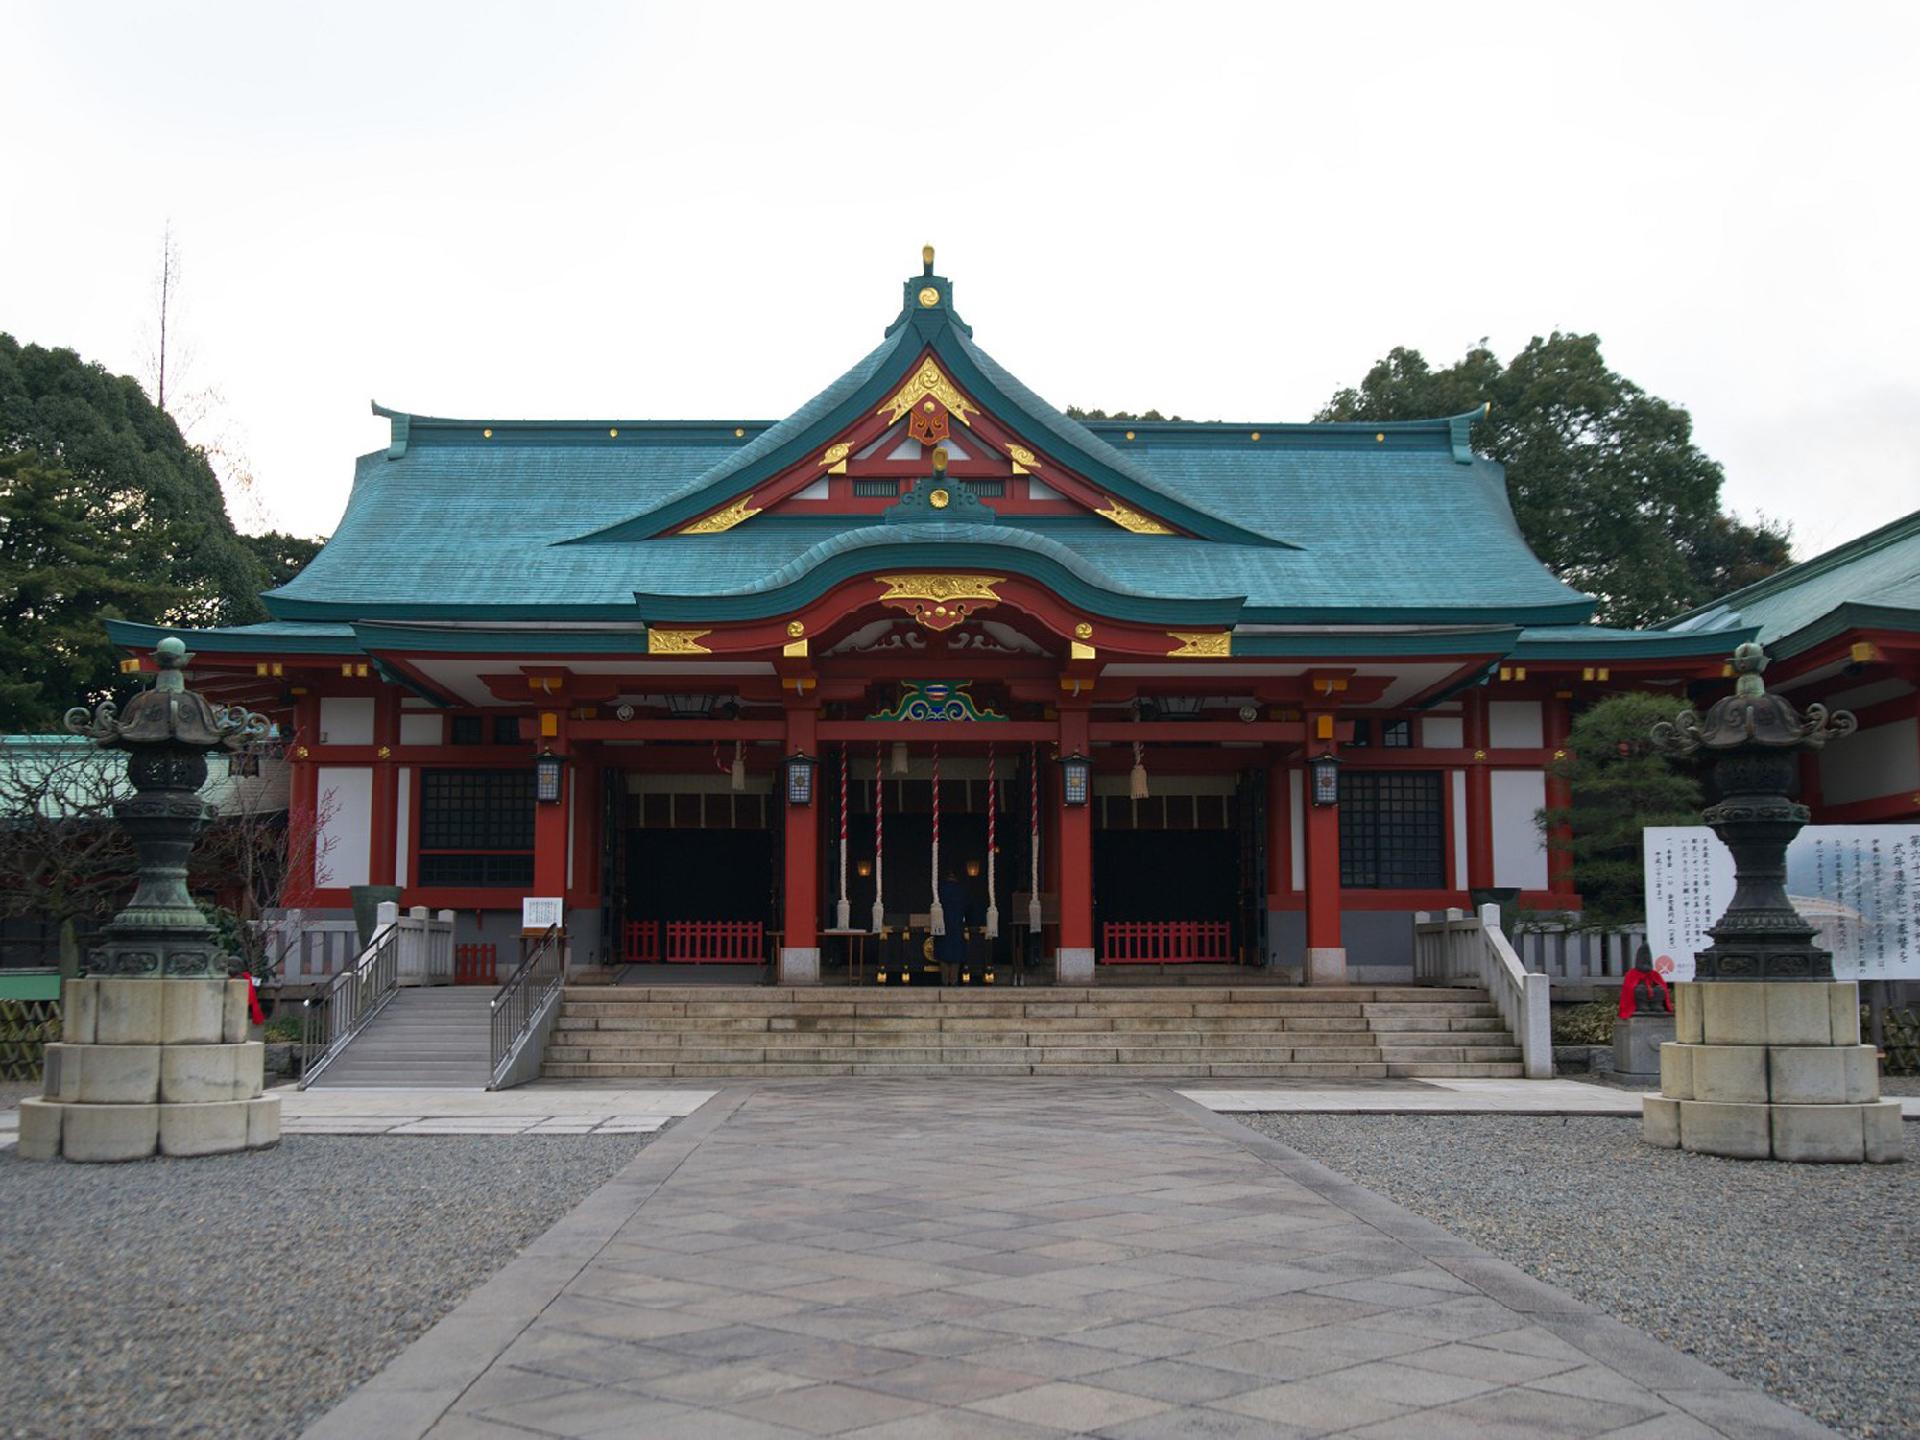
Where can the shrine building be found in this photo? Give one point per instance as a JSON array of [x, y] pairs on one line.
[[1246, 693]]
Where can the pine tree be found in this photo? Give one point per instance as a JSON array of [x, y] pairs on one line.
[[1619, 785]]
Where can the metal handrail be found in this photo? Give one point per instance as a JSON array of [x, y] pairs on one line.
[[329, 1021], [519, 1004]]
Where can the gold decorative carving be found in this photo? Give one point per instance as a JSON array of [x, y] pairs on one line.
[[677, 642], [1083, 631], [928, 380], [940, 602], [939, 499], [1079, 650], [1023, 459], [795, 649], [796, 628], [835, 458], [741, 509], [1201, 644], [929, 297], [385, 752], [1132, 519]]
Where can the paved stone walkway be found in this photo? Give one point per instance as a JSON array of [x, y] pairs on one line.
[[898, 1260]]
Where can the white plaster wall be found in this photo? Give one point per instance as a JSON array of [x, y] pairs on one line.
[[1884, 760], [403, 829], [1442, 732], [1296, 828], [1514, 725], [346, 720], [345, 836], [422, 729], [1459, 785], [1519, 857]]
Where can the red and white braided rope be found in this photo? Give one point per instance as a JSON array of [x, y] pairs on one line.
[[879, 846], [843, 914], [993, 845], [937, 915]]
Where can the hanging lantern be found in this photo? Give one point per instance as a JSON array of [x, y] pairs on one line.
[[973, 869], [1325, 770], [899, 757], [863, 868], [1076, 779], [547, 772], [800, 767]]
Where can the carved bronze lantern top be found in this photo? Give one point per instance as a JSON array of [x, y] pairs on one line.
[[169, 713], [1750, 718]]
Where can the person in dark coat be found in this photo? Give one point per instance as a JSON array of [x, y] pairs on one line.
[[951, 948]]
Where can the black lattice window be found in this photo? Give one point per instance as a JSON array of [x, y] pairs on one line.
[[1397, 734], [875, 489], [987, 489], [1393, 831], [476, 827]]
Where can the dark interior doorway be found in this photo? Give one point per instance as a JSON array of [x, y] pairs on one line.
[[1165, 875], [700, 875]]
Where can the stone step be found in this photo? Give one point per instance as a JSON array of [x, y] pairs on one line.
[[583, 1070]]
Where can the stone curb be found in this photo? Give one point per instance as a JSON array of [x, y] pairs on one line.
[[410, 1394], [1719, 1401]]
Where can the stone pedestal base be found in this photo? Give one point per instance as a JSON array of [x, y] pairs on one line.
[[799, 965], [151, 1067], [1327, 966], [1636, 1044], [1074, 966], [1771, 1070]]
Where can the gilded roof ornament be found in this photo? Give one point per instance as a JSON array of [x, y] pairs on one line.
[[928, 380], [741, 509], [940, 602], [1023, 458], [677, 642], [1132, 519], [1201, 644], [835, 457]]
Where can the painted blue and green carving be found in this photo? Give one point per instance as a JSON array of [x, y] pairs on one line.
[[936, 700]]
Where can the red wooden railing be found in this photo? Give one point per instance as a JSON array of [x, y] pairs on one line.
[[476, 964], [716, 942], [640, 943], [1166, 942]]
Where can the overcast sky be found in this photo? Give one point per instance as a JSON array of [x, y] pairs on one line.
[[633, 211]]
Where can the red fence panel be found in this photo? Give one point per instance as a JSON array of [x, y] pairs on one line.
[[476, 964], [716, 942], [640, 943], [1166, 942]]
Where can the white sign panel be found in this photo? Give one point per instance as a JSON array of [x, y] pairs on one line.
[[1856, 884], [538, 912]]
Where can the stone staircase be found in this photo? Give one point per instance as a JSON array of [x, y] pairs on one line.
[[427, 1037], [1348, 1033]]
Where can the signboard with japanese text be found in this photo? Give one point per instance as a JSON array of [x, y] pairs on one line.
[[538, 912], [1856, 884]]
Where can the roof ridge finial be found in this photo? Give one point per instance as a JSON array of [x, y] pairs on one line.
[[926, 259]]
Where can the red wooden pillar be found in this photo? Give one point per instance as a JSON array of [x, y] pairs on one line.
[[1559, 795], [1479, 796], [551, 821], [303, 806], [382, 851], [1326, 957], [800, 942], [1075, 964]]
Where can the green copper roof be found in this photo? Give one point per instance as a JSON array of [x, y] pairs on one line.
[[1289, 524], [1599, 643], [1871, 582]]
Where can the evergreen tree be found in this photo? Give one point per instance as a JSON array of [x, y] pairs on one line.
[[1605, 480], [1619, 785]]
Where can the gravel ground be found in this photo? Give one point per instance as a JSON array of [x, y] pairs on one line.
[[241, 1295], [1796, 1278]]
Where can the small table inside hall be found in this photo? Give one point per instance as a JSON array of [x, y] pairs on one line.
[[856, 950]]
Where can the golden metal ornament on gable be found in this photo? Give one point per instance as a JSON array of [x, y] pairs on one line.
[[1201, 644], [1023, 459], [928, 383], [741, 509], [677, 642], [939, 602], [1132, 519], [835, 458]]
